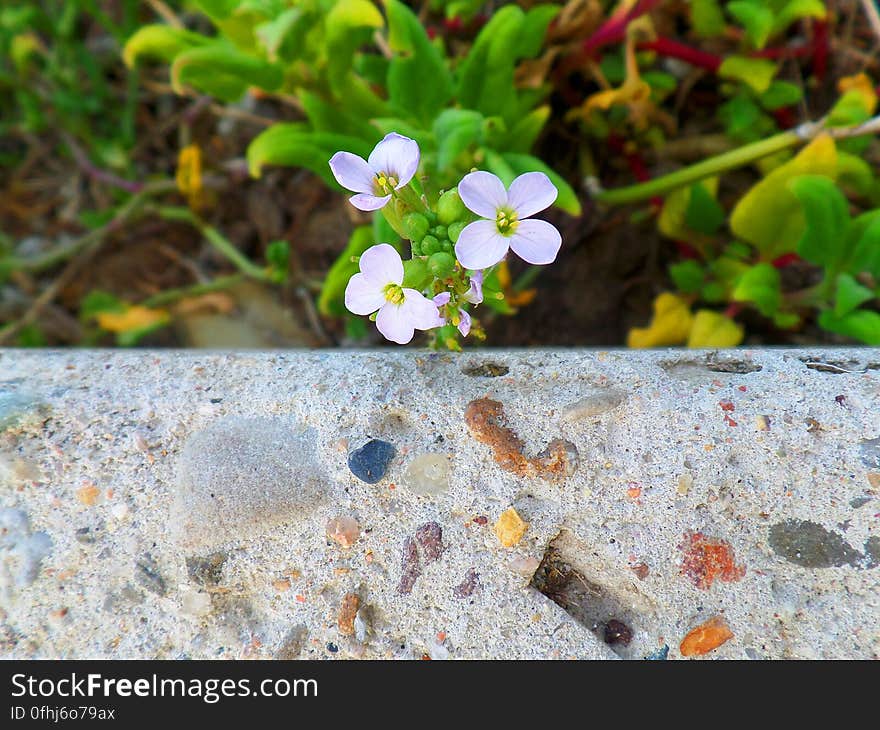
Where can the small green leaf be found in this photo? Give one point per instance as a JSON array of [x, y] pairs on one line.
[[862, 324], [688, 276], [864, 242], [707, 20], [850, 295], [827, 219], [796, 10], [756, 20], [456, 130], [161, 43], [704, 214], [278, 258], [760, 285], [223, 71], [756, 73], [781, 94]]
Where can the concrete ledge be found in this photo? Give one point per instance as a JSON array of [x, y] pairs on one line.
[[193, 504]]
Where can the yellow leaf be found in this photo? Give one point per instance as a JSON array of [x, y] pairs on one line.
[[634, 93], [671, 221], [132, 319], [189, 174], [769, 215], [713, 329], [670, 325], [862, 84]]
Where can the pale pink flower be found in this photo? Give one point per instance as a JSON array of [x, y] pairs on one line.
[[484, 243], [391, 165], [379, 287]]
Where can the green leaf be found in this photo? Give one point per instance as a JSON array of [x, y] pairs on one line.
[[704, 214], [456, 130], [416, 274], [534, 29], [756, 73], [348, 25], [862, 324], [707, 20], [688, 276], [98, 301], [485, 77], [278, 258], [760, 285], [334, 118], [331, 299], [419, 83], [161, 43], [523, 135], [849, 295], [289, 144], [781, 94], [756, 20], [864, 243], [223, 71], [796, 10], [519, 164], [826, 213]]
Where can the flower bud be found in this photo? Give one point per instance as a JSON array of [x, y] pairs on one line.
[[415, 225], [439, 232], [450, 208], [430, 245], [442, 265], [454, 229]]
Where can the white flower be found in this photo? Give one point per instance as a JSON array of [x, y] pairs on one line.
[[379, 286], [391, 165]]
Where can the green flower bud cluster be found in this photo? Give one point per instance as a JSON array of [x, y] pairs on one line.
[[434, 234]]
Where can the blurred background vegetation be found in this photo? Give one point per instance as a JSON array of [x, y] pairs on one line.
[[164, 177]]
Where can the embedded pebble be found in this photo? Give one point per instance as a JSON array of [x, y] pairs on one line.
[[617, 632], [19, 409], [21, 551], [239, 477], [470, 583], [524, 566], [347, 613], [510, 527], [594, 405], [343, 530], [195, 603], [370, 462], [206, 571], [146, 574], [430, 538], [810, 545], [411, 567], [706, 637], [427, 474]]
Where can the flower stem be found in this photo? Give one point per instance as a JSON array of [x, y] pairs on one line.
[[216, 239], [732, 160]]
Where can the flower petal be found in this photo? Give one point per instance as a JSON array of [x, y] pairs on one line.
[[480, 245], [366, 201], [442, 298], [352, 172], [381, 265], [530, 193], [396, 155], [536, 241], [362, 296], [483, 193], [465, 325], [420, 310], [474, 295], [394, 324]]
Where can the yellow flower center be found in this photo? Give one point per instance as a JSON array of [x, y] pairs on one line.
[[393, 293], [506, 221], [385, 183]]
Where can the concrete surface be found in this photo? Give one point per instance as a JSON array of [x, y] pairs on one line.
[[193, 504]]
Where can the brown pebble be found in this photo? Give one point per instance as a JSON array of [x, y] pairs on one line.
[[347, 612], [430, 538], [412, 567], [281, 585], [617, 632], [641, 570], [470, 583], [343, 530], [88, 494]]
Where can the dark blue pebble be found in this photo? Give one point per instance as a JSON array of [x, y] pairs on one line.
[[659, 654], [370, 462]]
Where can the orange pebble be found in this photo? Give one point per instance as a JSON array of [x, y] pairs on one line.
[[705, 637]]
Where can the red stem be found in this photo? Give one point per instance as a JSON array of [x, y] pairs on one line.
[[673, 49], [613, 30], [820, 49]]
